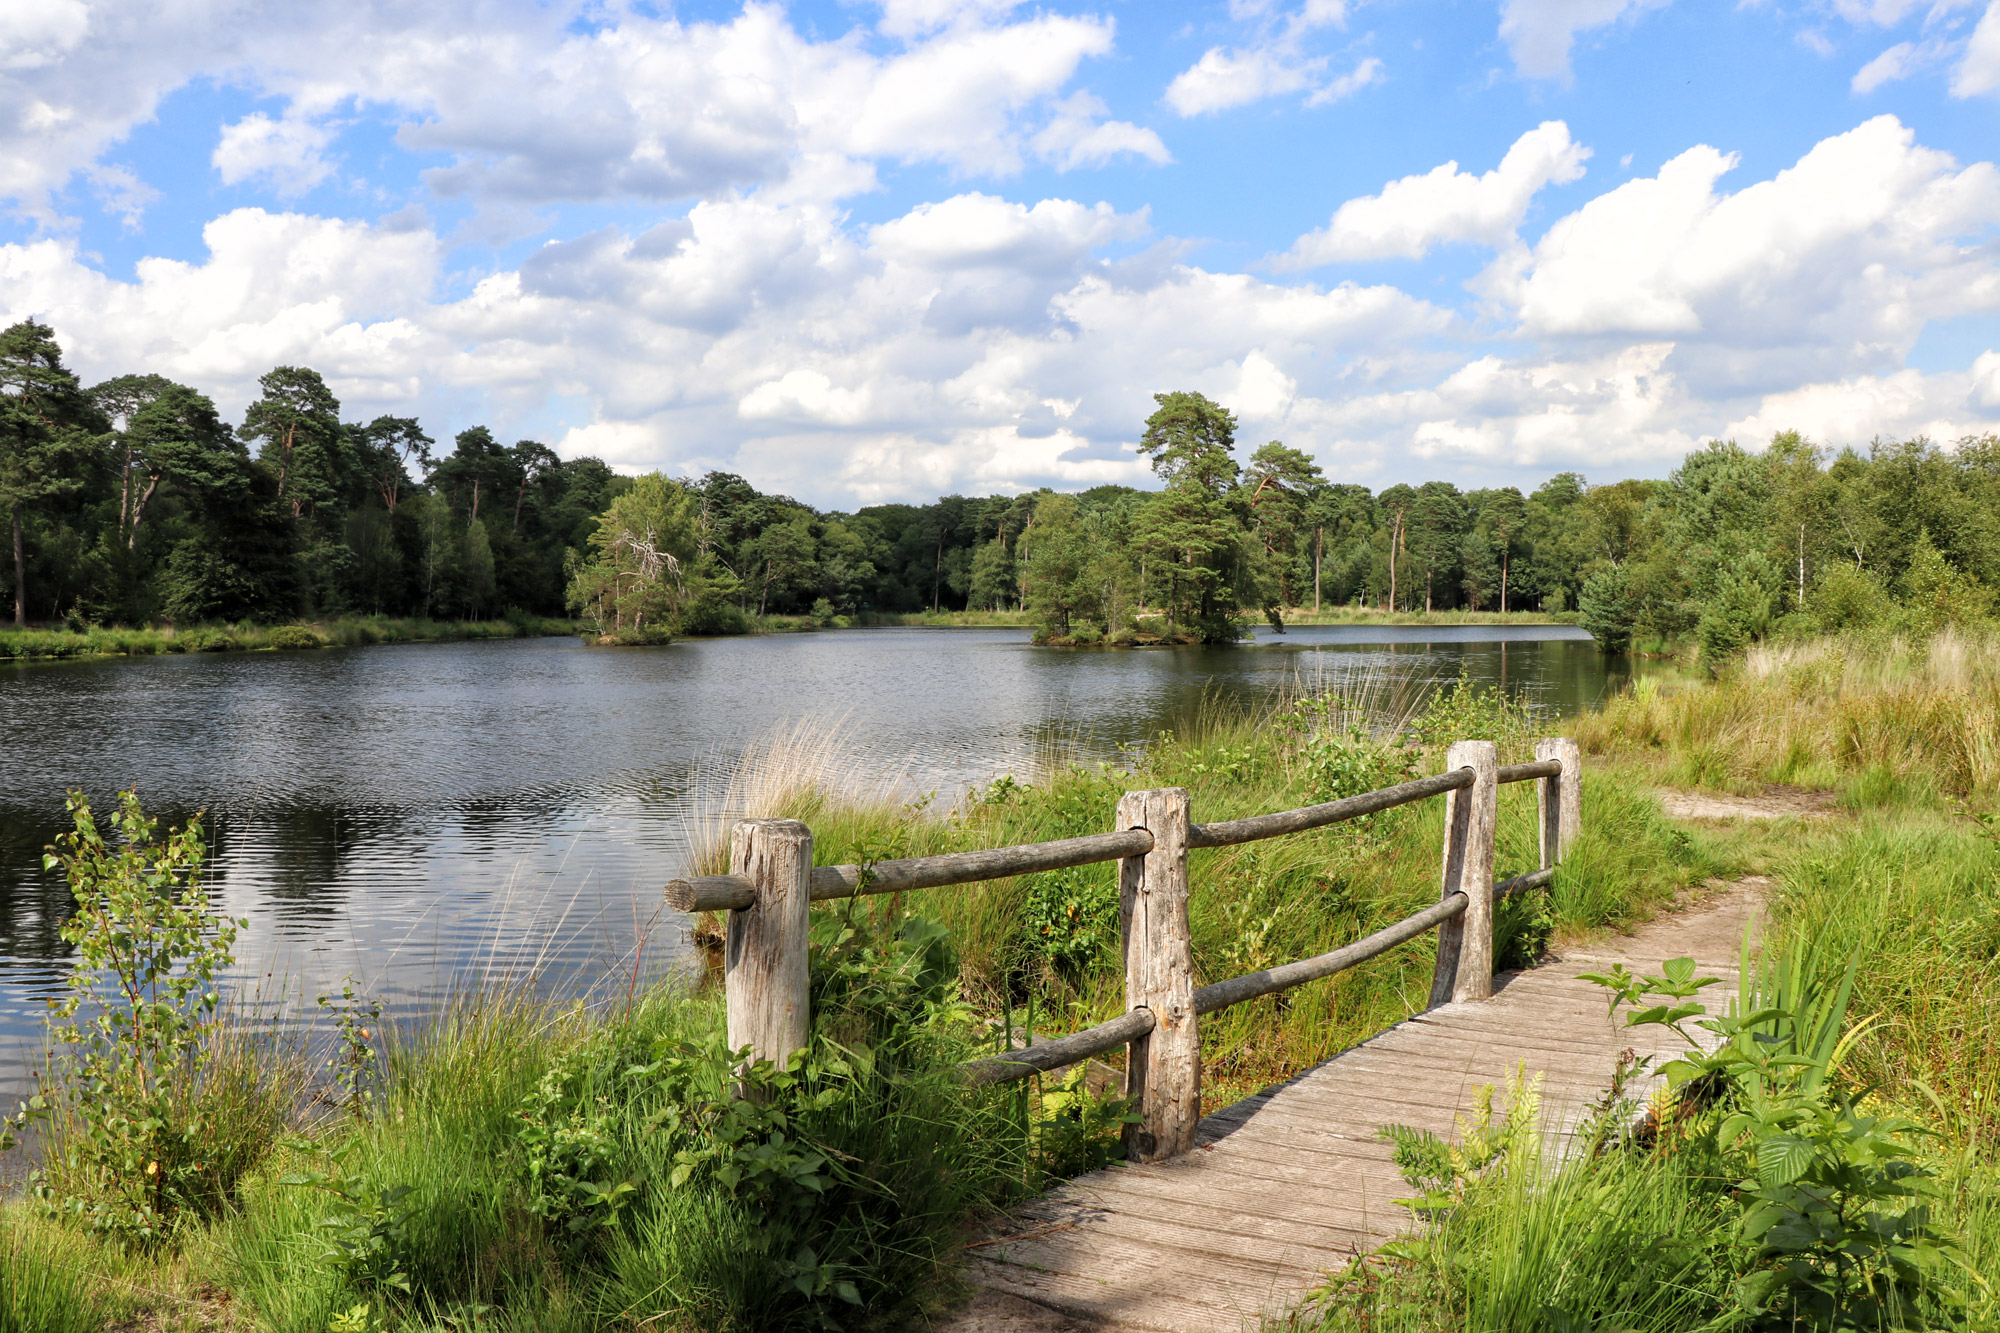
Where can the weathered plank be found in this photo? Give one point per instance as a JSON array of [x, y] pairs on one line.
[[1228, 832]]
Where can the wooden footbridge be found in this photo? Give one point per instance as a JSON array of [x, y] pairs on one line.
[[1217, 1223]]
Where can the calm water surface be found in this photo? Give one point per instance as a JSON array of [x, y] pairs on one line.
[[425, 816]]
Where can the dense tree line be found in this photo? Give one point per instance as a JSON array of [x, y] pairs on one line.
[[1731, 544], [133, 500]]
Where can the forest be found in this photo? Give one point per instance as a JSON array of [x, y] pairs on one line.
[[134, 502]]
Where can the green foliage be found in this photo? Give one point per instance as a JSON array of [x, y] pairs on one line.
[[1848, 598], [1463, 710], [1339, 763], [291, 637], [1737, 610], [363, 1231], [1938, 595], [1443, 1172], [133, 1093], [353, 1062], [1608, 609], [1075, 1129], [1837, 1211], [1070, 917]]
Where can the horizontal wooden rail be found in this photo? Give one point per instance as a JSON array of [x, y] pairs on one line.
[[716, 893], [1534, 879], [1229, 832], [1222, 994], [1127, 1027], [931, 872], [1541, 768]]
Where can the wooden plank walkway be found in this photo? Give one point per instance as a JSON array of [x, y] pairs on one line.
[[1293, 1182]]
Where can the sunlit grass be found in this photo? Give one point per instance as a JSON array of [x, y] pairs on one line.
[[1874, 715]]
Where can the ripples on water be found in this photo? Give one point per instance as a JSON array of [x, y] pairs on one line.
[[428, 817]]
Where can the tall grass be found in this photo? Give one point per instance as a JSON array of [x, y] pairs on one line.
[[51, 1280], [1867, 713]]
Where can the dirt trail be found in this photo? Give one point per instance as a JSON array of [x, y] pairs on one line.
[[1775, 803]]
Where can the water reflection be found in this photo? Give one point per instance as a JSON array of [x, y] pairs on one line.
[[426, 816]]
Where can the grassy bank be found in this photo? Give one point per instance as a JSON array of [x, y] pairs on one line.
[[243, 636], [1894, 1156]]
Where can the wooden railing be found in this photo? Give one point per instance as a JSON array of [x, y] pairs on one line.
[[772, 884]]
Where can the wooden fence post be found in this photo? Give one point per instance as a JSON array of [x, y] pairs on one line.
[[1163, 1068], [1465, 943], [764, 964], [1559, 799]]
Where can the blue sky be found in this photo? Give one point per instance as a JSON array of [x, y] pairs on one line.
[[865, 252]]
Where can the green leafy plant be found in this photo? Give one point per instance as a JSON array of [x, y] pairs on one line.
[[133, 1137], [1341, 761], [1077, 1129], [1463, 710], [1835, 1202], [294, 637], [364, 1232], [1442, 1171], [1070, 917]]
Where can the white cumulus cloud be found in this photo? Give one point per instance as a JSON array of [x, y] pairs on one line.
[[1832, 266], [289, 153], [1272, 63], [1445, 205]]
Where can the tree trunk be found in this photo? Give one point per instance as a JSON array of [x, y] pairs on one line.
[[1319, 556], [937, 572], [519, 496], [475, 500], [285, 464], [139, 511], [1395, 539], [20, 574], [1503, 581]]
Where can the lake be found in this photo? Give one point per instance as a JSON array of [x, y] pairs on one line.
[[429, 816]]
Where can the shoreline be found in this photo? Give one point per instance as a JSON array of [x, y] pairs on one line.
[[44, 645]]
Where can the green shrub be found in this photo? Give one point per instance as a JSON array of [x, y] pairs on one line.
[[207, 640], [292, 637], [1847, 598]]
